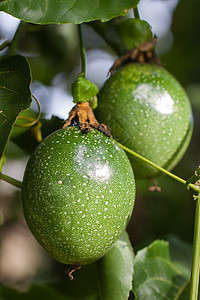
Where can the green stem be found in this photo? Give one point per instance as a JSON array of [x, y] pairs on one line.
[[11, 180], [14, 42], [194, 280], [193, 186], [136, 13], [82, 49], [4, 45]]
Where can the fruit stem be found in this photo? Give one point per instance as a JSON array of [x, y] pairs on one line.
[[136, 13], [194, 280], [14, 42], [190, 185], [82, 50], [11, 180], [4, 45]]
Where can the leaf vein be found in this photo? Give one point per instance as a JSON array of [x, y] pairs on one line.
[[12, 91], [181, 289], [160, 279], [67, 10]]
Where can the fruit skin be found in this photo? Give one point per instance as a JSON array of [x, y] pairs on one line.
[[78, 194], [149, 112]]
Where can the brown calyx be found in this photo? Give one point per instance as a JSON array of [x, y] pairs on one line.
[[82, 115], [145, 53]]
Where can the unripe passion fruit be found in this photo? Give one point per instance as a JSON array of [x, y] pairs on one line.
[[78, 194], [147, 111]]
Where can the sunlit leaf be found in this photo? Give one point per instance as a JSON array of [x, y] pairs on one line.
[[156, 277], [66, 11]]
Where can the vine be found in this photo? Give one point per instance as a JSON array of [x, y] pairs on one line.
[[32, 120], [11, 180], [195, 269], [82, 51], [136, 13]]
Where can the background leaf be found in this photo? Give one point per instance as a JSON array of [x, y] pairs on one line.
[[24, 117], [66, 11], [115, 271], [84, 285], [180, 251], [123, 34], [157, 277], [15, 94], [36, 291], [185, 41], [109, 31], [60, 287]]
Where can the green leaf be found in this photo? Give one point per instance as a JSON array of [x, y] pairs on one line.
[[134, 32], [156, 277], [180, 250], [15, 94], [115, 271], [66, 11], [83, 90], [180, 253]]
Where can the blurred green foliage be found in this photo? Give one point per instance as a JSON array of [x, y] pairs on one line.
[[183, 59]]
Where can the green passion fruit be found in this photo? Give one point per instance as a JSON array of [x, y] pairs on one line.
[[78, 194], [149, 112]]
